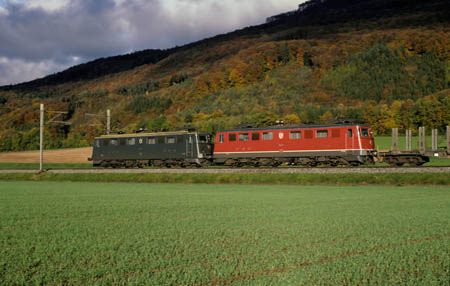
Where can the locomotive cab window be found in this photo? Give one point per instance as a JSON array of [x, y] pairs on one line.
[[97, 143], [114, 142], [267, 136], [170, 140], [255, 136], [295, 135], [232, 137], [322, 134], [122, 141], [365, 132], [221, 138], [180, 139], [349, 133], [161, 140], [151, 140], [243, 137], [131, 141], [105, 142]]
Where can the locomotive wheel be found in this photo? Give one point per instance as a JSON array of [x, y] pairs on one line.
[[333, 162], [276, 163], [130, 164], [264, 162], [416, 162], [231, 163], [344, 163]]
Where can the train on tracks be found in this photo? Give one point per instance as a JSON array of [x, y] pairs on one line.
[[310, 145]]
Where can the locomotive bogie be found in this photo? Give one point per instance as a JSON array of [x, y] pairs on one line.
[[150, 163], [412, 159]]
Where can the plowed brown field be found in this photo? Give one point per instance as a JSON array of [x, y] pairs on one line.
[[78, 155]]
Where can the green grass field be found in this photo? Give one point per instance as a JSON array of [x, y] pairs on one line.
[[395, 179], [385, 142], [60, 233]]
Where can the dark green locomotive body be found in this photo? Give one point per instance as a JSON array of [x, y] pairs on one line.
[[152, 149]]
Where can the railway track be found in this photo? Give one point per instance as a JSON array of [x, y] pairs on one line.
[[323, 170]]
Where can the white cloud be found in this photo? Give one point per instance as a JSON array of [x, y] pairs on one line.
[[17, 70], [119, 2], [3, 11], [47, 5]]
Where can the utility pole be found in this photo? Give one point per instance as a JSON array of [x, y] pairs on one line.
[[408, 140], [395, 139], [448, 140], [41, 140], [422, 140], [108, 121], [41, 132], [434, 140], [99, 117]]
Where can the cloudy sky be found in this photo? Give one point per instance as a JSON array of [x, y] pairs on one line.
[[40, 37]]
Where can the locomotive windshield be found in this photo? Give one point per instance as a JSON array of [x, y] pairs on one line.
[[364, 132], [204, 138]]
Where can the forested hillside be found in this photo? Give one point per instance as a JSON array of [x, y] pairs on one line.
[[385, 63]]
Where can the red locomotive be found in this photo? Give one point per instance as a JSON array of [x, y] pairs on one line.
[[301, 145]]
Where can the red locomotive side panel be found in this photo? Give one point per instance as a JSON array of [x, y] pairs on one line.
[[295, 139]]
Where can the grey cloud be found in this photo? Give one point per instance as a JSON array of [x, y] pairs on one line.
[[89, 29]]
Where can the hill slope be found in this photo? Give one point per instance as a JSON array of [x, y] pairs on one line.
[[380, 62]]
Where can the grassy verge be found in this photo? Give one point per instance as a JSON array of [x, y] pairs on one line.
[[436, 162], [266, 179]]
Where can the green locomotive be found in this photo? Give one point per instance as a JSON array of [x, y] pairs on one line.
[[162, 149]]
